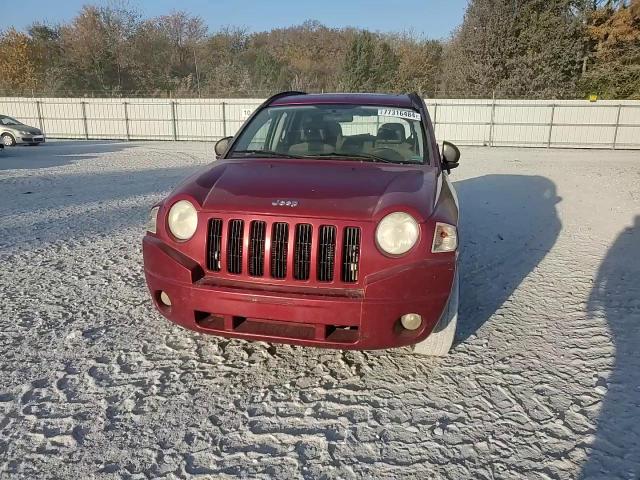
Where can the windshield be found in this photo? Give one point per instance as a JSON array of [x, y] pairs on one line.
[[350, 132], [9, 121]]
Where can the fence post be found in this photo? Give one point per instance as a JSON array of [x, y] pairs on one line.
[[84, 119], [126, 120], [493, 113], [40, 121], [224, 120], [615, 132], [553, 114], [173, 120]]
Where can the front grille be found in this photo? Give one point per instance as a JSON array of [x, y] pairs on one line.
[[350, 254], [256, 248], [214, 252], [326, 252], [281, 265], [279, 247], [234, 246], [302, 252]]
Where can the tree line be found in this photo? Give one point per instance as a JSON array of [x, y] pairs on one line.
[[506, 48]]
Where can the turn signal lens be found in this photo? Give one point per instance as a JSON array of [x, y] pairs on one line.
[[153, 220], [445, 238]]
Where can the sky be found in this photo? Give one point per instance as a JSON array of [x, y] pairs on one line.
[[429, 18]]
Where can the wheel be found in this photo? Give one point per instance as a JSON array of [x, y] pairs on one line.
[[441, 339], [8, 140]]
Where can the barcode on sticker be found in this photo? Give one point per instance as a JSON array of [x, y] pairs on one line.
[[396, 112]]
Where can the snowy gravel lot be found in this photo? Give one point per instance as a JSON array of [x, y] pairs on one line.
[[544, 381]]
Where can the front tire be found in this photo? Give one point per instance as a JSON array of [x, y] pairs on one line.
[[8, 140], [441, 339]]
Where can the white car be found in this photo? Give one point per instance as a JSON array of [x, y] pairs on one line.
[[13, 132]]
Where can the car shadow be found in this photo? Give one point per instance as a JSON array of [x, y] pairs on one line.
[[615, 296], [102, 203], [508, 224], [56, 153]]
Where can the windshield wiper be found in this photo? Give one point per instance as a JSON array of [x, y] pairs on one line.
[[359, 156], [266, 153]]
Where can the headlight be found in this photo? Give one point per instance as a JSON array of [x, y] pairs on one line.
[[153, 219], [397, 233], [445, 238], [183, 220], [21, 132]]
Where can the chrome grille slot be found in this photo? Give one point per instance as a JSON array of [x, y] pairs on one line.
[[279, 246], [350, 254], [302, 251], [257, 233], [234, 246], [214, 251], [326, 252]]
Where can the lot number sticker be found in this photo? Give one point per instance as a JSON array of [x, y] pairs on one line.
[[395, 112]]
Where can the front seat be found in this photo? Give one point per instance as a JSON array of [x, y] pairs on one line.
[[392, 135], [314, 140]]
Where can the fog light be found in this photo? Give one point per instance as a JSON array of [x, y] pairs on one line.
[[164, 298], [411, 321]]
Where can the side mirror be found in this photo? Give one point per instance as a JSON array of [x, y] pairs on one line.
[[450, 156], [222, 145]]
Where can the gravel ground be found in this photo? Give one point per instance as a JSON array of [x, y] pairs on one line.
[[544, 381]]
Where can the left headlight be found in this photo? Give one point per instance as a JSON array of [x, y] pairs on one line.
[[153, 219], [183, 220], [397, 233]]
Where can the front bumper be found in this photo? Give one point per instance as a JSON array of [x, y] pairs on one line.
[[30, 139], [366, 318]]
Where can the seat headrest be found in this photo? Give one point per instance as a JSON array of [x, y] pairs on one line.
[[313, 130], [392, 132]]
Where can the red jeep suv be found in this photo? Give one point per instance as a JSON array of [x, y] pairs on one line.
[[327, 220]]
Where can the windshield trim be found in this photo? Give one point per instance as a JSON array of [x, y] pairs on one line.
[[426, 139]]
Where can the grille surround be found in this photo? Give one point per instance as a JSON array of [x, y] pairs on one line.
[[302, 251], [326, 257], [279, 249], [235, 239], [350, 254], [257, 237], [293, 251], [214, 245]]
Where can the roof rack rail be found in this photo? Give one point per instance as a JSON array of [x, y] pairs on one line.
[[275, 97], [416, 101]]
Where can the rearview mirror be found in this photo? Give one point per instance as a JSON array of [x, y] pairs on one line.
[[450, 156], [222, 145]]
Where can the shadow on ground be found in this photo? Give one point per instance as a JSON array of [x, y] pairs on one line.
[[508, 224], [56, 153], [77, 206], [616, 297]]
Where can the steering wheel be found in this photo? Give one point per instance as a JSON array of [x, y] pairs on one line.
[[388, 153]]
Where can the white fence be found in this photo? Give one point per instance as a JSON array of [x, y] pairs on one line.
[[570, 123]]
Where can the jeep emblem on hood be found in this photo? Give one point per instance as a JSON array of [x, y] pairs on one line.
[[285, 203]]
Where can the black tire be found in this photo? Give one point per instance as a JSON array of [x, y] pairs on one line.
[[8, 140]]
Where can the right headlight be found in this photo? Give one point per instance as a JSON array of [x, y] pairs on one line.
[[445, 238], [183, 220], [397, 233]]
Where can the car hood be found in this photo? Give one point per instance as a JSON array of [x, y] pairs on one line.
[[23, 128], [314, 188]]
